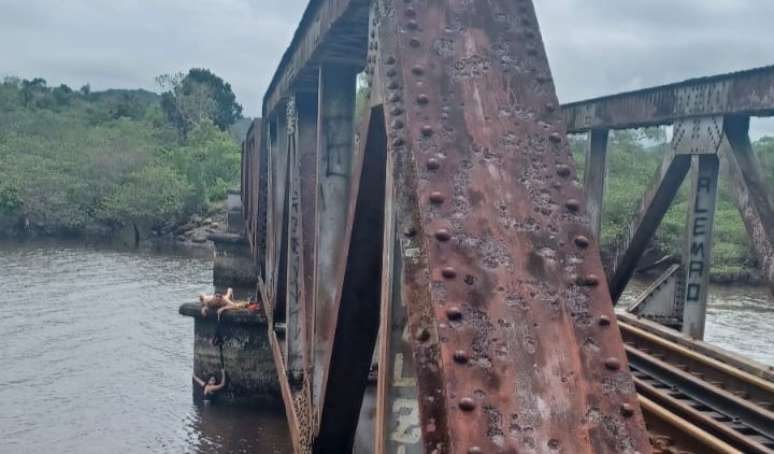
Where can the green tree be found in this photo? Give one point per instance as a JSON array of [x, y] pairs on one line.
[[189, 99]]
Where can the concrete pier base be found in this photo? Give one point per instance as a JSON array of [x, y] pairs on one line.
[[246, 355]]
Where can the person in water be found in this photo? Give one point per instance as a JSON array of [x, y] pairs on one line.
[[211, 386]]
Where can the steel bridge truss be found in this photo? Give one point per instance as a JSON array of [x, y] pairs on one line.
[[426, 255], [711, 121]]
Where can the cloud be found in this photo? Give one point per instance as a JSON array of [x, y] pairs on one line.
[[595, 47]]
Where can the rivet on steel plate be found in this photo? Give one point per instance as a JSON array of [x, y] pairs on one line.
[[563, 170], [437, 197], [443, 235], [591, 280], [454, 313], [448, 272], [433, 164], [572, 204], [467, 404], [604, 320], [627, 410], [422, 100], [582, 241], [461, 356], [613, 363], [427, 130]]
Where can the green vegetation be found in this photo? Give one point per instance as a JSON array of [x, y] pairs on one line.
[[77, 160], [633, 159]]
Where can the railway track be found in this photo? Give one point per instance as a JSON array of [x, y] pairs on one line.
[[698, 399]]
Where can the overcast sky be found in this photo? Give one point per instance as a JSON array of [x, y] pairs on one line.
[[595, 47]]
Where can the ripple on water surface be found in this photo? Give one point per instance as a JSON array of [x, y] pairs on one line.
[[96, 359]]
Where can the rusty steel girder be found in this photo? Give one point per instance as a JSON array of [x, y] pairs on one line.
[[744, 93], [508, 319]]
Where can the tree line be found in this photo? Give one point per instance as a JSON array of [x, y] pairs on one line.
[[74, 161]]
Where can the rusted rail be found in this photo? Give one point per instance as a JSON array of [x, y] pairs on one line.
[[712, 393]]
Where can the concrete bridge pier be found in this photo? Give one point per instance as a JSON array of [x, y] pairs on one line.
[[246, 354]]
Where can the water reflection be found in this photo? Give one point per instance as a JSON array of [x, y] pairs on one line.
[[214, 429]]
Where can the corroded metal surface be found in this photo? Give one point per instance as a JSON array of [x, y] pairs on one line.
[[499, 267], [742, 93], [330, 31]]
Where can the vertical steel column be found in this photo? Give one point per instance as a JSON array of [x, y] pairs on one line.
[[306, 148], [697, 255], [594, 177], [335, 145], [293, 252]]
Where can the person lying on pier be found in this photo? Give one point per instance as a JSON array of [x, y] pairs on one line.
[[220, 302], [211, 386]]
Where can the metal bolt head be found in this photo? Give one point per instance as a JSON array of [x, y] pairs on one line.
[[422, 100], [433, 164], [413, 42], [437, 197], [582, 241], [604, 320], [627, 410], [613, 363], [417, 70], [555, 137], [475, 450], [454, 313], [572, 205], [461, 357], [443, 235], [591, 280], [448, 272], [427, 130], [467, 404], [563, 170]]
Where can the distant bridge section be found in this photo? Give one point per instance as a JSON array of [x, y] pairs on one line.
[[746, 93]]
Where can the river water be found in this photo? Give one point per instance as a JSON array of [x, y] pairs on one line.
[[95, 359]]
